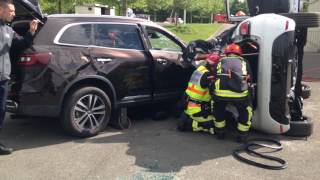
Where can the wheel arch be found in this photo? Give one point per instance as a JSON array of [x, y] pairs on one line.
[[96, 81]]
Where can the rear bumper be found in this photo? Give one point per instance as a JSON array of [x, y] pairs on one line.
[[33, 111], [30, 107]]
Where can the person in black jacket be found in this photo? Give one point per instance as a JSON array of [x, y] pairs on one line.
[[232, 76], [8, 39]]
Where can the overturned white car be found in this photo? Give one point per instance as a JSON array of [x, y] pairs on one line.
[[273, 45]]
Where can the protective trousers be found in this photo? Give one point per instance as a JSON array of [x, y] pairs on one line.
[[186, 123], [245, 115]]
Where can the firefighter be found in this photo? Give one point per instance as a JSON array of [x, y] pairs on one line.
[[197, 115], [231, 86]]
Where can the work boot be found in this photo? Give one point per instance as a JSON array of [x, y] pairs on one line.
[[242, 137], [5, 150], [220, 133]]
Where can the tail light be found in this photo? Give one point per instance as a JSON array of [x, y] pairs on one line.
[[287, 25], [245, 28], [34, 58]]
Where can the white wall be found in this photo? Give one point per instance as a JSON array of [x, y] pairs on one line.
[[97, 10], [113, 12], [315, 7], [92, 10], [313, 42], [87, 10], [83, 10]]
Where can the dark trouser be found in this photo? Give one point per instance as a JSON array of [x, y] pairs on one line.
[[185, 122], [245, 114], [3, 100]]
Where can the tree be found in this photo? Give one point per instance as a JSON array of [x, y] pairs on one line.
[[153, 7], [61, 6], [202, 8]]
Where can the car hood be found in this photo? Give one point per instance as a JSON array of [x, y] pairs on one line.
[[27, 8]]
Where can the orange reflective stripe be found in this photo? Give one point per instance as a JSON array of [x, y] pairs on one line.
[[193, 105], [194, 90]]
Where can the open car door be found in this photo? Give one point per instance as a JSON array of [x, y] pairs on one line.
[[28, 8]]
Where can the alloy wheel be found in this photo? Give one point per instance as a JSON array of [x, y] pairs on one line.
[[89, 112]]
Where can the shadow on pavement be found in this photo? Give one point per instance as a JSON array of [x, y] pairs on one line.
[[156, 145], [159, 147], [28, 133]]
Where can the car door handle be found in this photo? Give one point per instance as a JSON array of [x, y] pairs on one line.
[[162, 61], [104, 60]]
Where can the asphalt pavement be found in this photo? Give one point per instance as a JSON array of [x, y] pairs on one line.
[[151, 150]]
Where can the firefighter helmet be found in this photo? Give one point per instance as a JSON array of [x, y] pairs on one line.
[[233, 49]]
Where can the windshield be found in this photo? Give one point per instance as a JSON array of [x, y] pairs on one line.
[[239, 8]]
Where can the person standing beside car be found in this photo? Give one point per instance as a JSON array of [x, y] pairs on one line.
[[8, 39]]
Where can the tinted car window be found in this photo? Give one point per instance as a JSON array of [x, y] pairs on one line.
[[117, 36], [78, 34], [160, 41]]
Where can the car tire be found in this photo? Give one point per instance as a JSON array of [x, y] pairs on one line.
[[305, 19], [87, 112], [301, 128], [306, 91]]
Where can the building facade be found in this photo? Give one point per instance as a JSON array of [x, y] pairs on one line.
[[313, 42], [96, 9]]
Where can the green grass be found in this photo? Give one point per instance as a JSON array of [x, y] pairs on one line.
[[191, 32]]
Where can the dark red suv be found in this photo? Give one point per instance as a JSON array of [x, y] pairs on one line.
[[82, 67]]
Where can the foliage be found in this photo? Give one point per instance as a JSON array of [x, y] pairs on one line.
[[160, 5], [191, 32], [200, 8], [67, 6]]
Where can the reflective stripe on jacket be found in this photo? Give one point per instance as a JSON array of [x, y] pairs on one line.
[[194, 90], [230, 78], [199, 96]]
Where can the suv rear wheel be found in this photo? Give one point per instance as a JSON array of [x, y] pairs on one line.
[[87, 112]]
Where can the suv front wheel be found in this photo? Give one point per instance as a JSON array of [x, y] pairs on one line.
[[87, 112]]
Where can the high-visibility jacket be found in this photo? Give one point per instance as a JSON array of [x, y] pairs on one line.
[[231, 75], [199, 98]]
